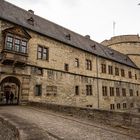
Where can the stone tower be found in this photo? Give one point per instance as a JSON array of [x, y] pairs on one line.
[[127, 44]]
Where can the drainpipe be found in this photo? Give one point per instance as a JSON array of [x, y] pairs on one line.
[[97, 69]]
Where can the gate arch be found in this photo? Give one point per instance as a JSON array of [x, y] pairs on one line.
[[9, 90]]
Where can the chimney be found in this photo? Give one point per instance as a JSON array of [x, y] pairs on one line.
[[87, 36], [31, 11]]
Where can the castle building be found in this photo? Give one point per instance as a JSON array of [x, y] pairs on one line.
[[41, 61]]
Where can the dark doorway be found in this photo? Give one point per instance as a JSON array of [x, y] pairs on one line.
[[9, 91]]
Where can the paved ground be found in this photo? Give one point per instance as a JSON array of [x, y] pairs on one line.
[[48, 125]]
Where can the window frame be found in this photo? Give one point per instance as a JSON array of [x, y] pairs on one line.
[[15, 44], [111, 91], [131, 93], [77, 62], [41, 52], [124, 92], [104, 90], [88, 64], [89, 90], [117, 91], [76, 90], [122, 72], [116, 71], [112, 106], [66, 67], [103, 68], [118, 106], [110, 69], [130, 74], [39, 87]]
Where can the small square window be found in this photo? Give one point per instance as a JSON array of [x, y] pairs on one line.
[[66, 67]]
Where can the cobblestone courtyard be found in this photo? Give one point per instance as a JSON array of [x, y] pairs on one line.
[[46, 125]]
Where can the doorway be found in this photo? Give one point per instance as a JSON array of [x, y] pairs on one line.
[[9, 91]]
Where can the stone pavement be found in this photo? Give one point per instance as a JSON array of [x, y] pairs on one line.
[[38, 124]]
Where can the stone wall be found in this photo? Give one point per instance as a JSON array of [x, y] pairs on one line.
[[106, 117], [127, 44], [8, 131]]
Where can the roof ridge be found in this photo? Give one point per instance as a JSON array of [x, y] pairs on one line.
[[56, 31]]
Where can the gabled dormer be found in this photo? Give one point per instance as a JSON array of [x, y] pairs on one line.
[[15, 46], [16, 40]]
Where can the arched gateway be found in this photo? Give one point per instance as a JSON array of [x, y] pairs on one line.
[[9, 90]]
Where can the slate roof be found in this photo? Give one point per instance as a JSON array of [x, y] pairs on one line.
[[45, 27]]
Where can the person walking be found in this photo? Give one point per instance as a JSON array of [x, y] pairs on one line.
[[11, 97], [7, 95]]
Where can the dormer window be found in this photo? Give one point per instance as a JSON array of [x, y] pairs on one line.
[[31, 21], [15, 43], [68, 37]]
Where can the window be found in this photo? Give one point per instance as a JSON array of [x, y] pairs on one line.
[[110, 70], [116, 71], [66, 67], [42, 53], [135, 76], [111, 91], [112, 106], [118, 106], [131, 92], [117, 92], [103, 68], [129, 74], [122, 73], [23, 46], [137, 92], [131, 105], [88, 89], [76, 90], [16, 44], [123, 92], [9, 43], [76, 62], [104, 90], [124, 105], [88, 64], [38, 90]]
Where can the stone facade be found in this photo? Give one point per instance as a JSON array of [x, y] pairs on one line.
[[69, 75], [54, 76]]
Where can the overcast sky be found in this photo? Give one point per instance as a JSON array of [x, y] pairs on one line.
[[89, 17]]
